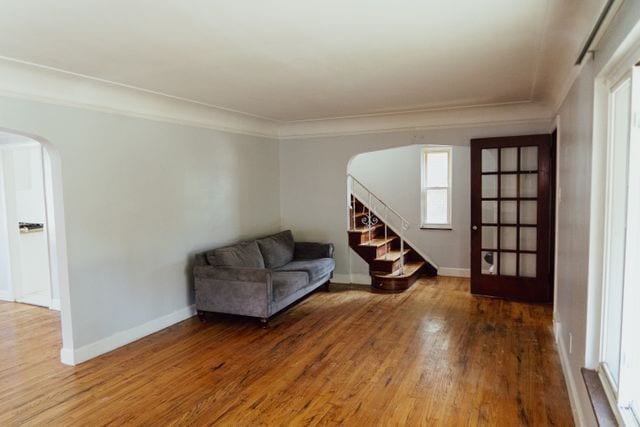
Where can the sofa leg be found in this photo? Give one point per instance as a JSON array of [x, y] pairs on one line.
[[202, 316], [264, 322], [326, 286]]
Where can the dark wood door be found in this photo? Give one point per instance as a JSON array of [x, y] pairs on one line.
[[510, 217]]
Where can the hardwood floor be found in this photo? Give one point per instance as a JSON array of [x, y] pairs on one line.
[[434, 355]]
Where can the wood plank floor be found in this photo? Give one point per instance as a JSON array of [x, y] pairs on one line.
[[433, 355]]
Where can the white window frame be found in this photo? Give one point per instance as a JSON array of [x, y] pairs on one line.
[[433, 149], [620, 397]]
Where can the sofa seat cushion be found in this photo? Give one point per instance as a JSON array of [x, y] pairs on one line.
[[246, 254], [277, 250], [315, 268], [286, 283]]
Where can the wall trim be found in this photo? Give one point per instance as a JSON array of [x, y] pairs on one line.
[[486, 115], [66, 356], [24, 80], [119, 339], [55, 304], [569, 378], [454, 272], [6, 296], [34, 82]]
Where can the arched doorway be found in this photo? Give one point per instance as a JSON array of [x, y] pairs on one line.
[[31, 216]]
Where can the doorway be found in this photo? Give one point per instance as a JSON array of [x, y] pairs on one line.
[[53, 227], [25, 252], [512, 232]]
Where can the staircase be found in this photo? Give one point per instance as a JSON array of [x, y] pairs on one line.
[[376, 234]]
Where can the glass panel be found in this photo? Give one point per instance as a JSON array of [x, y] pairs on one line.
[[508, 238], [437, 210], [528, 158], [527, 265], [615, 258], [509, 159], [489, 185], [508, 212], [489, 160], [528, 236], [490, 237], [487, 264], [489, 212], [528, 212], [508, 185], [507, 264], [529, 185], [438, 169]]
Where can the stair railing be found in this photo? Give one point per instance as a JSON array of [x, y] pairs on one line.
[[372, 213]]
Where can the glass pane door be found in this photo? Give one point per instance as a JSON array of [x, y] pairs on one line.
[[509, 189]]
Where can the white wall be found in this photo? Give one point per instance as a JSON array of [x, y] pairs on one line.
[[574, 136], [140, 198], [29, 182], [313, 179], [394, 176], [580, 213]]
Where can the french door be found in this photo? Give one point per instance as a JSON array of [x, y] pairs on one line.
[[510, 217]]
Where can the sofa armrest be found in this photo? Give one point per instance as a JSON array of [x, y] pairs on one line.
[[244, 291], [313, 250]]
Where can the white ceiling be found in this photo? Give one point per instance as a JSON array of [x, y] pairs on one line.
[[295, 60]]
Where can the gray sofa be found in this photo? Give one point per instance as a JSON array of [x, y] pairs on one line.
[[258, 278]]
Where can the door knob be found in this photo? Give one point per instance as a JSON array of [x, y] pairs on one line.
[[474, 228]]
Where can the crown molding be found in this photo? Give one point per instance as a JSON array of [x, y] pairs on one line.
[[44, 84], [484, 115], [52, 86]]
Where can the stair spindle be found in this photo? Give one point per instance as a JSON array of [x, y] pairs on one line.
[[386, 244], [370, 206], [401, 256]]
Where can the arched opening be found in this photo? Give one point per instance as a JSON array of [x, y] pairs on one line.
[[33, 256], [391, 183]]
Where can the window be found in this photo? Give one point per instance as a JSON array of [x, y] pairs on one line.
[[436, 187], [619, 346]]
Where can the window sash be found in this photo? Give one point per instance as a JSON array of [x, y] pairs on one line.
[[425, 223], [623, 389], [615, 222], [629, 387]]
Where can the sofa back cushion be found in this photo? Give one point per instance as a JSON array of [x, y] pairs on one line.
[[245, 254], [277, 250]]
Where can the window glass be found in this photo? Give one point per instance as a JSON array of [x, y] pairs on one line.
[[438, 169], [616, 224]]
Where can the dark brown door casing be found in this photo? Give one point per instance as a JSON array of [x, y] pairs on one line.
[[510, 217]]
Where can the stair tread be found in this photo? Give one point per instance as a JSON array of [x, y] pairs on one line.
[[378, 242], [410, 269], [392, 255], [364, 228]]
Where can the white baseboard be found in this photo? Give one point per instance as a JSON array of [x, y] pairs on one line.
[[356, 279], [574, 397], [89, 351], [454, 272], [55, 304], [6, 296], [66, 356]]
